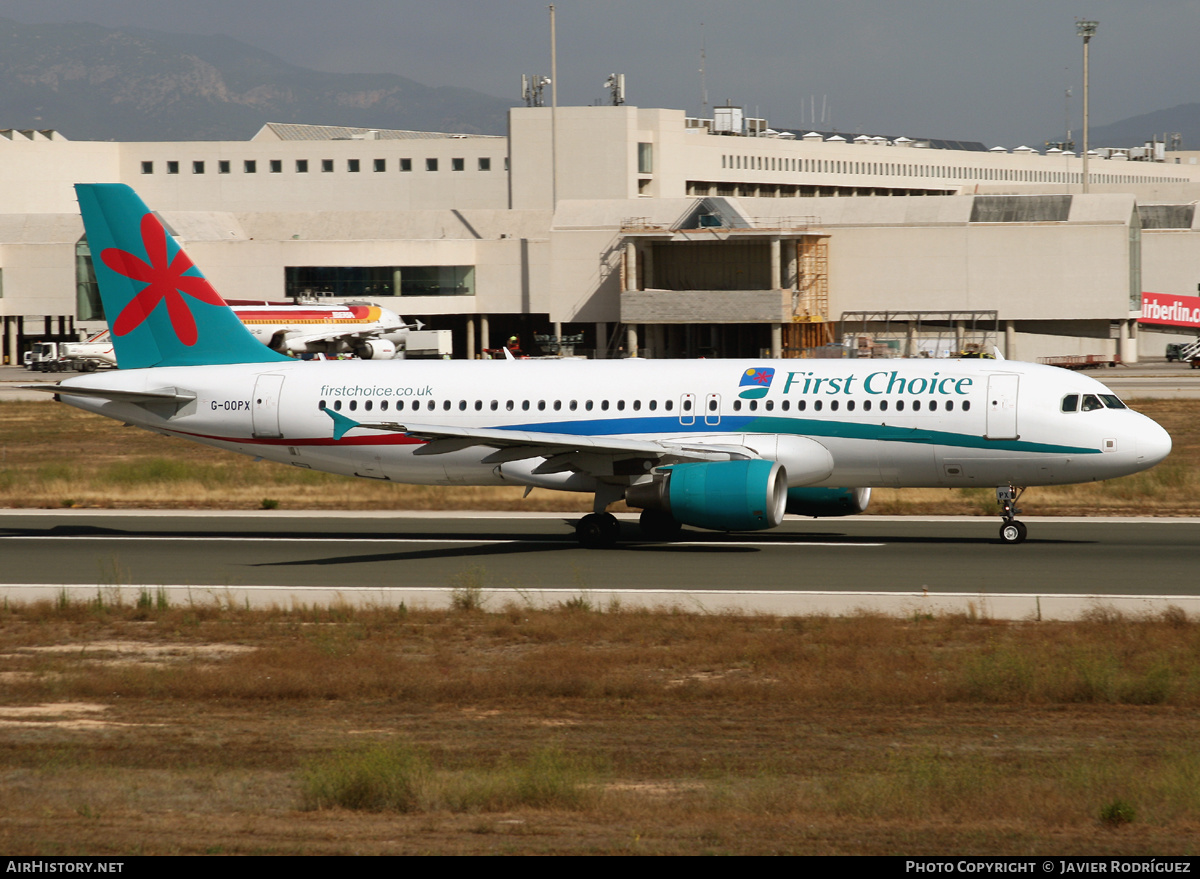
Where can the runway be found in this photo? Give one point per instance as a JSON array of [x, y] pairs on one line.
[[886, 563]]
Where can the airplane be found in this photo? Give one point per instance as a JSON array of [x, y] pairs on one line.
[[727, 445], [364, 329]]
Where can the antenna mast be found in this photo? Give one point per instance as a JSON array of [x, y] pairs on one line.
[[616, 88], [532, 88], [703, 81]]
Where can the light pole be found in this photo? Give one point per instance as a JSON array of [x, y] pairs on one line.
[[1087, 30], [553, 110]]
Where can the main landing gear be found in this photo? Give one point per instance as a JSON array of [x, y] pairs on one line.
[[1011, 531], [597, 530], [601, 530]]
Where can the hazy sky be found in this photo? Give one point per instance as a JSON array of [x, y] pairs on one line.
[[965, 69]]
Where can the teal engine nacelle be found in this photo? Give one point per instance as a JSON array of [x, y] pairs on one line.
[[822, 502], [721, 495]]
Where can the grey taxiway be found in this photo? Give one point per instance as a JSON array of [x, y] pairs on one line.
[[876, 562]]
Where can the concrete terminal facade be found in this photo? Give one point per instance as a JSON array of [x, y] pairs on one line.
[[637, 229]]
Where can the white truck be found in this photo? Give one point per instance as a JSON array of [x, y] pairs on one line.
[[86, 356]]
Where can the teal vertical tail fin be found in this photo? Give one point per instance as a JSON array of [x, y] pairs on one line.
[[160, 309]]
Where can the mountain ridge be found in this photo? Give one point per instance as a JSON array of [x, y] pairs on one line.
[[95, 83]]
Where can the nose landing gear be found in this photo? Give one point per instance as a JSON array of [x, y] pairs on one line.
[[1011, 531]]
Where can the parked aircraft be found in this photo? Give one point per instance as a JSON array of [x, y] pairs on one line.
[[720, 444], [364, 329]]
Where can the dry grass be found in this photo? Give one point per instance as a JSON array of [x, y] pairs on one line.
[[156, 729], [54, 456]]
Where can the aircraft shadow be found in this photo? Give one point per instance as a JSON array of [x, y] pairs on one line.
[[515, 543]]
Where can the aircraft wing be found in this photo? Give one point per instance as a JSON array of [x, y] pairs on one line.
[[564, 451]]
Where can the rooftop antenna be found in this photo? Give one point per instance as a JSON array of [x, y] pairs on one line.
[[532, 88], [703, 81], [616, 88]]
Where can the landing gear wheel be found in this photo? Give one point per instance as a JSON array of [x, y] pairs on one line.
[[657, 525], [1013, 532], [597, 530]]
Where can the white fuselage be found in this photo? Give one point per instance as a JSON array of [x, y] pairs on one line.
[[301, 329], [884, 422]]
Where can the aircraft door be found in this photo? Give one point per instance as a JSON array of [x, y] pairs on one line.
[[687, 409], [264, 413], [1002, 406], [712, 409]]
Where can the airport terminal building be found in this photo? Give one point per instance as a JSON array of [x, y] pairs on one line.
[[630, 230]]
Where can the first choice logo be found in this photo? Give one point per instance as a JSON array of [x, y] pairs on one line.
[[878, 383]]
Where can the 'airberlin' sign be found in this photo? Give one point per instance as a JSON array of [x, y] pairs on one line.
[[1166, 308]]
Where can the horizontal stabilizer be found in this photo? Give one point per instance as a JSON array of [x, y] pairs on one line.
[[162, 395]]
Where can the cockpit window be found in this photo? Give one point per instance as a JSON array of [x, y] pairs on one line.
[[1091, 402], [1070, 403], [1112, 401]]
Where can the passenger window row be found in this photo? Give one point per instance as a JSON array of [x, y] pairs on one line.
[[635, 405], [509, 405]]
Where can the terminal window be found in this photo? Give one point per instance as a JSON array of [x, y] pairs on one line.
[[197, 167], [485, 164], [147, 167], [326, 165], [223, 166], [645, 158], [87, 291], [276, 166], [250, 166], [431, 164], [381, 164], [406, 164], [367, 281], [301, 166], [172, 167], [352, 166], [458, 164]]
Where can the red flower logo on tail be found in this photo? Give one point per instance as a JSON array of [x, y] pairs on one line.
[[164, 281]]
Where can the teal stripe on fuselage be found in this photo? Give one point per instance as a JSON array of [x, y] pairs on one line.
[[812, 427]]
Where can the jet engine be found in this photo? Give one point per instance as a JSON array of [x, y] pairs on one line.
[[284, 344], [822, 502], [721, 495], [377, 349]]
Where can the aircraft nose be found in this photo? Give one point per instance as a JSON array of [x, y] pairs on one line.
[[1153, 443]]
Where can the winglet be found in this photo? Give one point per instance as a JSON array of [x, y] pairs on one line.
[[341, 424]]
